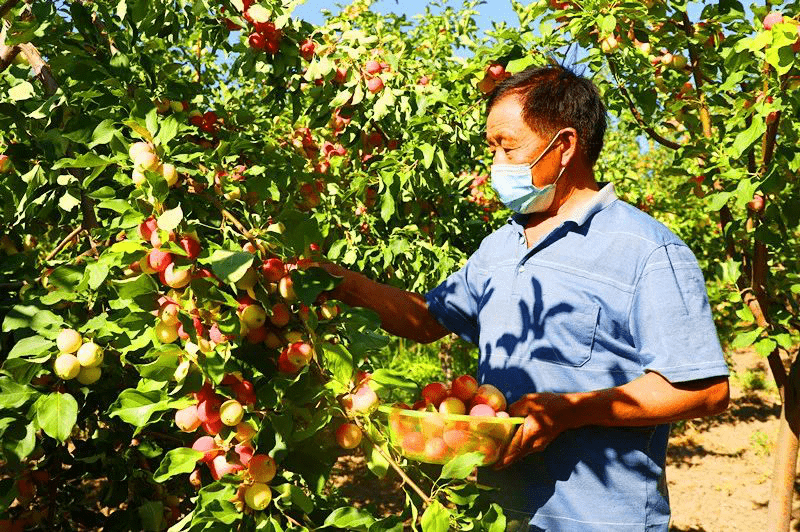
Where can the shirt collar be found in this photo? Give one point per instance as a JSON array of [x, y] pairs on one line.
[[604, 197]]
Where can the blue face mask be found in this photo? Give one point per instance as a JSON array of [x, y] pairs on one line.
[[514, 187]]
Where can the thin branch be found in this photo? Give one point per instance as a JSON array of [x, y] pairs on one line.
[[235, 221], [7, 53], [694, 60], [64, 242], [395, 465], [6, 8], [638, 116]]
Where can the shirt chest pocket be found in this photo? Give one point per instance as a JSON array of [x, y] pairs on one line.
[[566, 335]]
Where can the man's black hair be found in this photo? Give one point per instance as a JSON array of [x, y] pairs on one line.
[[554, 97]]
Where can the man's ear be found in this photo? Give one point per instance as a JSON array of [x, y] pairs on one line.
[[569, 145]]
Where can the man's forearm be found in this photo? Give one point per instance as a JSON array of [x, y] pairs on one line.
[[402, 313], [648, 400]]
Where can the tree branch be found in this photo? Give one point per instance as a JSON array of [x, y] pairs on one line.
[[235, 221], [7, 53], [63, 243], [652, 133], [6, 8], [694, 60]]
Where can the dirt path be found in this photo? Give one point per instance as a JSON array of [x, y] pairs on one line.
[[718, 469]]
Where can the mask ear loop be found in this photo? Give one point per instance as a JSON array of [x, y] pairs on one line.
[[550, 145]]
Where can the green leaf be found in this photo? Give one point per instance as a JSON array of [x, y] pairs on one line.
[[428, 151], [376, 462], [349, 518], [339, 361], [229, 266], [170, 219], [151, 516], [163, 368], [135, 287], [746, 338], [56, 415], [168, 130], [718, 200], [176, 462], [393, 379], [136, 408], [436, 518], [747, 138], [387, 206], [518, 65], [296, 496], [14, 395], [765, 346], [310, 283], [461, 466], [22, 91], [494, 520], [103, 133], [31, 347]]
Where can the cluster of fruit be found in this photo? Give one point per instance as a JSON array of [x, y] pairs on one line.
[[434, 431], [145, 159], [78, 358]]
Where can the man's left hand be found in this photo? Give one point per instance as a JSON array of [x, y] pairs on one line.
[[545, 415]]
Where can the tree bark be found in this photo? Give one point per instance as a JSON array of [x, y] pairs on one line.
[[779, 514]]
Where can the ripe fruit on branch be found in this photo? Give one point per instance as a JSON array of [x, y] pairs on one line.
[[220, 467], [5, 164], [143, 157], [207, 445], [257, 41], [262, 468], [90, 355], [245, 453], [231, 412], [678, 62], [299, 353], [168, 314], [68, 341], [175, 278], [66, 366], [307, 49], [159, 260], [186, 419], [245, 432], [423, 80], [273, 269], [169, 173], [258, 496], [757, 203], [279, 315], [89, 376], [609, 45], [362, 399], [497, 72], [286, 288], [375, 84], [348, 436], [372, 67], [775, 17]]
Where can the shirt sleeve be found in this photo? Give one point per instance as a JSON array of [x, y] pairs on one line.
[[670, 318], [454, 302]]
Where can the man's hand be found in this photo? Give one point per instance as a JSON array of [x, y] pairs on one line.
[[544, 420]]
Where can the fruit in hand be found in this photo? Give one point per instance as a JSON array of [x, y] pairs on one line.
[[68, 341], [90, 355], [348, 436], [489, 395], [464, 387], [67, 366]]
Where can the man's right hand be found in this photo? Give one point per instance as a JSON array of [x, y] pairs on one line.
[[402, 313]]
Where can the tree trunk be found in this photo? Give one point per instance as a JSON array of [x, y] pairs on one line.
[[786, 447]]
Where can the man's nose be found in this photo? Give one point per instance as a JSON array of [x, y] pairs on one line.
[[500, 157]]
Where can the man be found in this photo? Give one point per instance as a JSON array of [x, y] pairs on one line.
[[590, 316]]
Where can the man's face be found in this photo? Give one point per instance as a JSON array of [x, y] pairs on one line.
[[512, 141]]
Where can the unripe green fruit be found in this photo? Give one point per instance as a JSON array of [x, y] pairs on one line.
[[254, 316], [68, 341], [90, 355], [166, 334], [231, 412], [258, 496], [67, 366], [248, 280], [89, 375]]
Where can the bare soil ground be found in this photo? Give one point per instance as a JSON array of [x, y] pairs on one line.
[[718, 469]]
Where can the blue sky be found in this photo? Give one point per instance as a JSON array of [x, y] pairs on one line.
[[492, 11]]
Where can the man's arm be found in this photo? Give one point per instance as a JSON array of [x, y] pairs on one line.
[[402, 313], [649, 400]]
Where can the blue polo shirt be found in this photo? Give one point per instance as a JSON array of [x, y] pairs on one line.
[[605, 297]]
